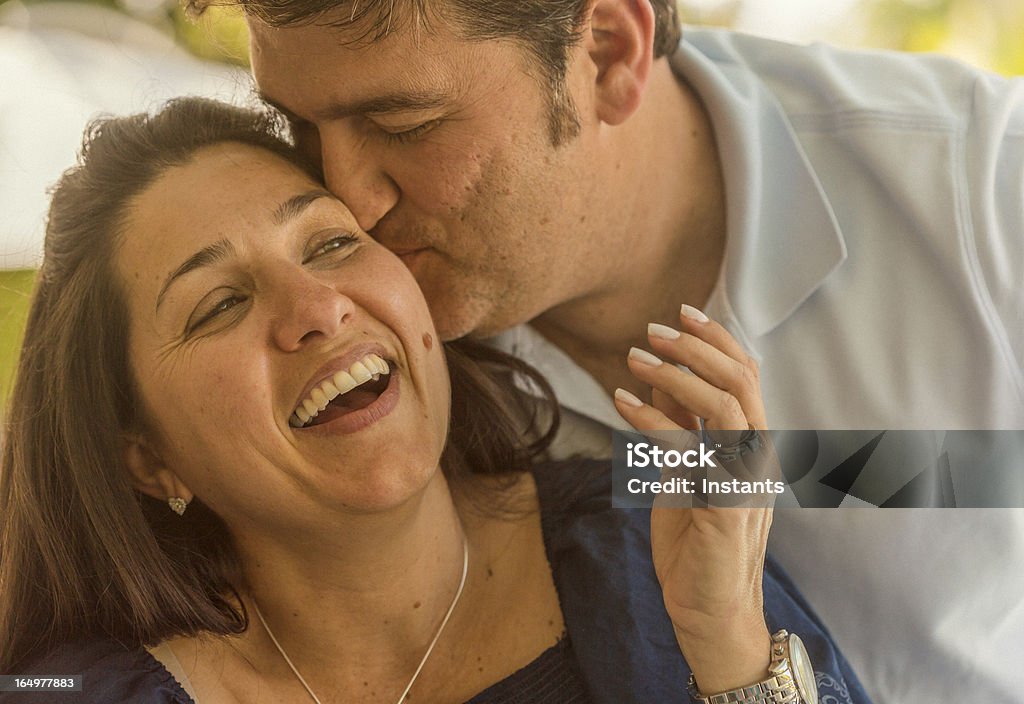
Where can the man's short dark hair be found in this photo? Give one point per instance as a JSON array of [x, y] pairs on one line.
[[545, 28]]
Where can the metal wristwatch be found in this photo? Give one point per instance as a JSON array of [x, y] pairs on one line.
[[791, 681]]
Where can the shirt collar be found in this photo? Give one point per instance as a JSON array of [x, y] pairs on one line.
[[574, 387], [783, 239]]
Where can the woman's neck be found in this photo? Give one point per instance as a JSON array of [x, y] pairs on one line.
[[356, 607], [369, 590]]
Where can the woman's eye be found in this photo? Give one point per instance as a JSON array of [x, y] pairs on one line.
[[205, 315], [330, 245]]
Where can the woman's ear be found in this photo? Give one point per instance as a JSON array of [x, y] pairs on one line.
[[150, 474], [619, 38]]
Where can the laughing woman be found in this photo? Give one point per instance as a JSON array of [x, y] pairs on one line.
[[239, 467]]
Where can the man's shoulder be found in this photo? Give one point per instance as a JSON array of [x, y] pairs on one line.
[[821, 79]]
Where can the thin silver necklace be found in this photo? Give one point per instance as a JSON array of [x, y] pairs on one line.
[[430, 648]]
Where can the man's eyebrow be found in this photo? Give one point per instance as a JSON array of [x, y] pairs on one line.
[[294, 206], [211, 254], [394, 102]]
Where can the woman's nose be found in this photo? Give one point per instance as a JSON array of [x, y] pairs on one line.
[[306, 309]]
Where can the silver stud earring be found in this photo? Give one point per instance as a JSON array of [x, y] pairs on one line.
[[178, 505]]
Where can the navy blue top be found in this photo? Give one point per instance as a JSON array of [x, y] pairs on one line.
[[620, 642], [553, 678], [612, 602]]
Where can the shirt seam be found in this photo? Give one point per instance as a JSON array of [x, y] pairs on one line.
[[969, 243], [853, 118]]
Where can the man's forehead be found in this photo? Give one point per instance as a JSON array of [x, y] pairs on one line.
[[353, 22], [334, 32], [307, 70]]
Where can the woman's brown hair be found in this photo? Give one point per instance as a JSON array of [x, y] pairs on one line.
[[81, 552]]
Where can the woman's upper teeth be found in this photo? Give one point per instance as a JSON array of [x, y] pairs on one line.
[[363, 370]]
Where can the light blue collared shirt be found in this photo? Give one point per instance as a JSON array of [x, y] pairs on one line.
[[874, 260]]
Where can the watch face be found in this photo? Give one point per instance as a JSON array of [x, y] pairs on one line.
[[803, 673]]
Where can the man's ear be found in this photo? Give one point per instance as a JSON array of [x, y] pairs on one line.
[[619, 38], [150, 474]]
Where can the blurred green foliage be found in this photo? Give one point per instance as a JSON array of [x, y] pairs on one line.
[[988, 33], [15, 287], [219, 34], [718, 14]]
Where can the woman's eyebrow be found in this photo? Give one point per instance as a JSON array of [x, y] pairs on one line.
[[206, 256], [294, 206]]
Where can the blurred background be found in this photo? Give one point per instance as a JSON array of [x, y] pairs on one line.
[[64, 62]]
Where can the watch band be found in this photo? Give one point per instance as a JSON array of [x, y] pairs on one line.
[[780, 688], [777, 689]]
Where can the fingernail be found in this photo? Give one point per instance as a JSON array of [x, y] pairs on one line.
[[627, 398], [662, 331], [693, 314], [644, 357]]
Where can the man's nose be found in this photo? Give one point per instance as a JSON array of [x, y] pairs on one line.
[[306, 309], [356, 173]]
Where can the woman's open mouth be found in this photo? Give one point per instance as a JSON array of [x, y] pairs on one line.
[[348, 391]]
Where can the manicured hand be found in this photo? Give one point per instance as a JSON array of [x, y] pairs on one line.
[[709, 561]]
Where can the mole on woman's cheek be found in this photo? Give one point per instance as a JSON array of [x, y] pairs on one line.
[[428, 340]]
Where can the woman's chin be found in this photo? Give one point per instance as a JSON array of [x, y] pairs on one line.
[[382, 489]]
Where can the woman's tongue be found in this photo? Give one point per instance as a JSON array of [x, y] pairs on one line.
[[356, 399]]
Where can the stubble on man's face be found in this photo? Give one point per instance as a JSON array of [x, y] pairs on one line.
[[486, 212]]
